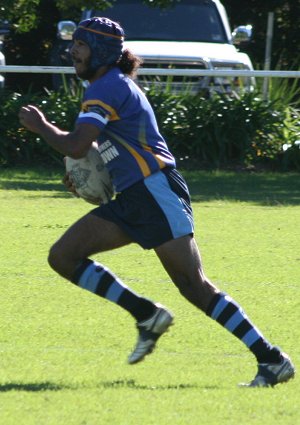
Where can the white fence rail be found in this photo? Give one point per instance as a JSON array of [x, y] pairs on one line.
[[157, 71]]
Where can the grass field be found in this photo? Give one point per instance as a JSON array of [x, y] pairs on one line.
[[63, 351]]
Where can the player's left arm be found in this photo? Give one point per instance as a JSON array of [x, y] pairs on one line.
[[74, 144]]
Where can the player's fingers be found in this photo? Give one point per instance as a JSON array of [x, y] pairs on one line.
[[67, 181]]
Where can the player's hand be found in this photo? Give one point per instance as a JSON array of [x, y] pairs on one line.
[[68, 182], [32, 118]]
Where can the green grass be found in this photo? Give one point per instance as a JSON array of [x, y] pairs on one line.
[[63, 351]]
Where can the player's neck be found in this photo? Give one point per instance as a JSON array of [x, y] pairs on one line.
[[100, 72]]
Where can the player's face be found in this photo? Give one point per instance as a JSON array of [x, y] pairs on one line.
[[81, 56]]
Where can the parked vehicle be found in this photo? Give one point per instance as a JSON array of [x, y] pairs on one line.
[[193, 34]]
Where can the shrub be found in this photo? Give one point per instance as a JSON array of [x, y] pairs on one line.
[[218, 132], [20, 146], [224, 131]]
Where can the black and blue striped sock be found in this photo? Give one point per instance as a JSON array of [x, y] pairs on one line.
[[97, 279], [229, 314]]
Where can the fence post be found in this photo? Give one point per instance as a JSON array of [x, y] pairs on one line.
[[268, 53]]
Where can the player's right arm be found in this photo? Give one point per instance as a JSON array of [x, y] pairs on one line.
[[74, 144]]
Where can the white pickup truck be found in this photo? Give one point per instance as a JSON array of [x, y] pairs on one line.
[[192, 34]]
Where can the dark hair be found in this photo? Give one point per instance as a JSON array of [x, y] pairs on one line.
[[129, 63]]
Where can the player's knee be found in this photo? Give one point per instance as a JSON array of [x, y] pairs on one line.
[[62, 261], [55, 257]]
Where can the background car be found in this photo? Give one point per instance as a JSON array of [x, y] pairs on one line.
[[193, 34]]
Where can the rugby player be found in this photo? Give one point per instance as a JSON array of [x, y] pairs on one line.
[[152, 207]]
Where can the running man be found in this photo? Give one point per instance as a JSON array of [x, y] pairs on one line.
[[152, 207]]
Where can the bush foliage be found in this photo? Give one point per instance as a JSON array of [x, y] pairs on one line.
[[18, 145], [218, 132], [223, 131]]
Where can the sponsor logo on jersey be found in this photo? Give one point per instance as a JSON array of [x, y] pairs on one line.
[[108, 152]]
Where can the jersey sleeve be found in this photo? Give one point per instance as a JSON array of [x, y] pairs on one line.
[[96, 109]]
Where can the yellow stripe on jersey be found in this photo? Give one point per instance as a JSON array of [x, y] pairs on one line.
[[147, 148], [113, 114], [139, 159]]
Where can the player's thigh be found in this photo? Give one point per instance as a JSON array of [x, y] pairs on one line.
[[89, 235]]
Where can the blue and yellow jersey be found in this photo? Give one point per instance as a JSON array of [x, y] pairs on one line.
[[130, 142]]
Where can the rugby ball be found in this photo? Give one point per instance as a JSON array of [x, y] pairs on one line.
[[90, 177]]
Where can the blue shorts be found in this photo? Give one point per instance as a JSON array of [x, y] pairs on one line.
[[152, 211]]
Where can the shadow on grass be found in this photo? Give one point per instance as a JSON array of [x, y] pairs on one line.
[[118, 384], [130, 383], [31, 387], [260, 188], [32, 185], [32, 179]]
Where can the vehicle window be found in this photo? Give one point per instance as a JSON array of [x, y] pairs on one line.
[[192, 20]]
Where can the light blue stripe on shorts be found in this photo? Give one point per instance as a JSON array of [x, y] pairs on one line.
[[179, 220]]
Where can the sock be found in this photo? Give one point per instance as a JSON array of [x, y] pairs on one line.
[[229, 314], [96, 278]]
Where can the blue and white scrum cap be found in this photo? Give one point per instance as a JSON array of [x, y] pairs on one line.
[[105, 39]]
